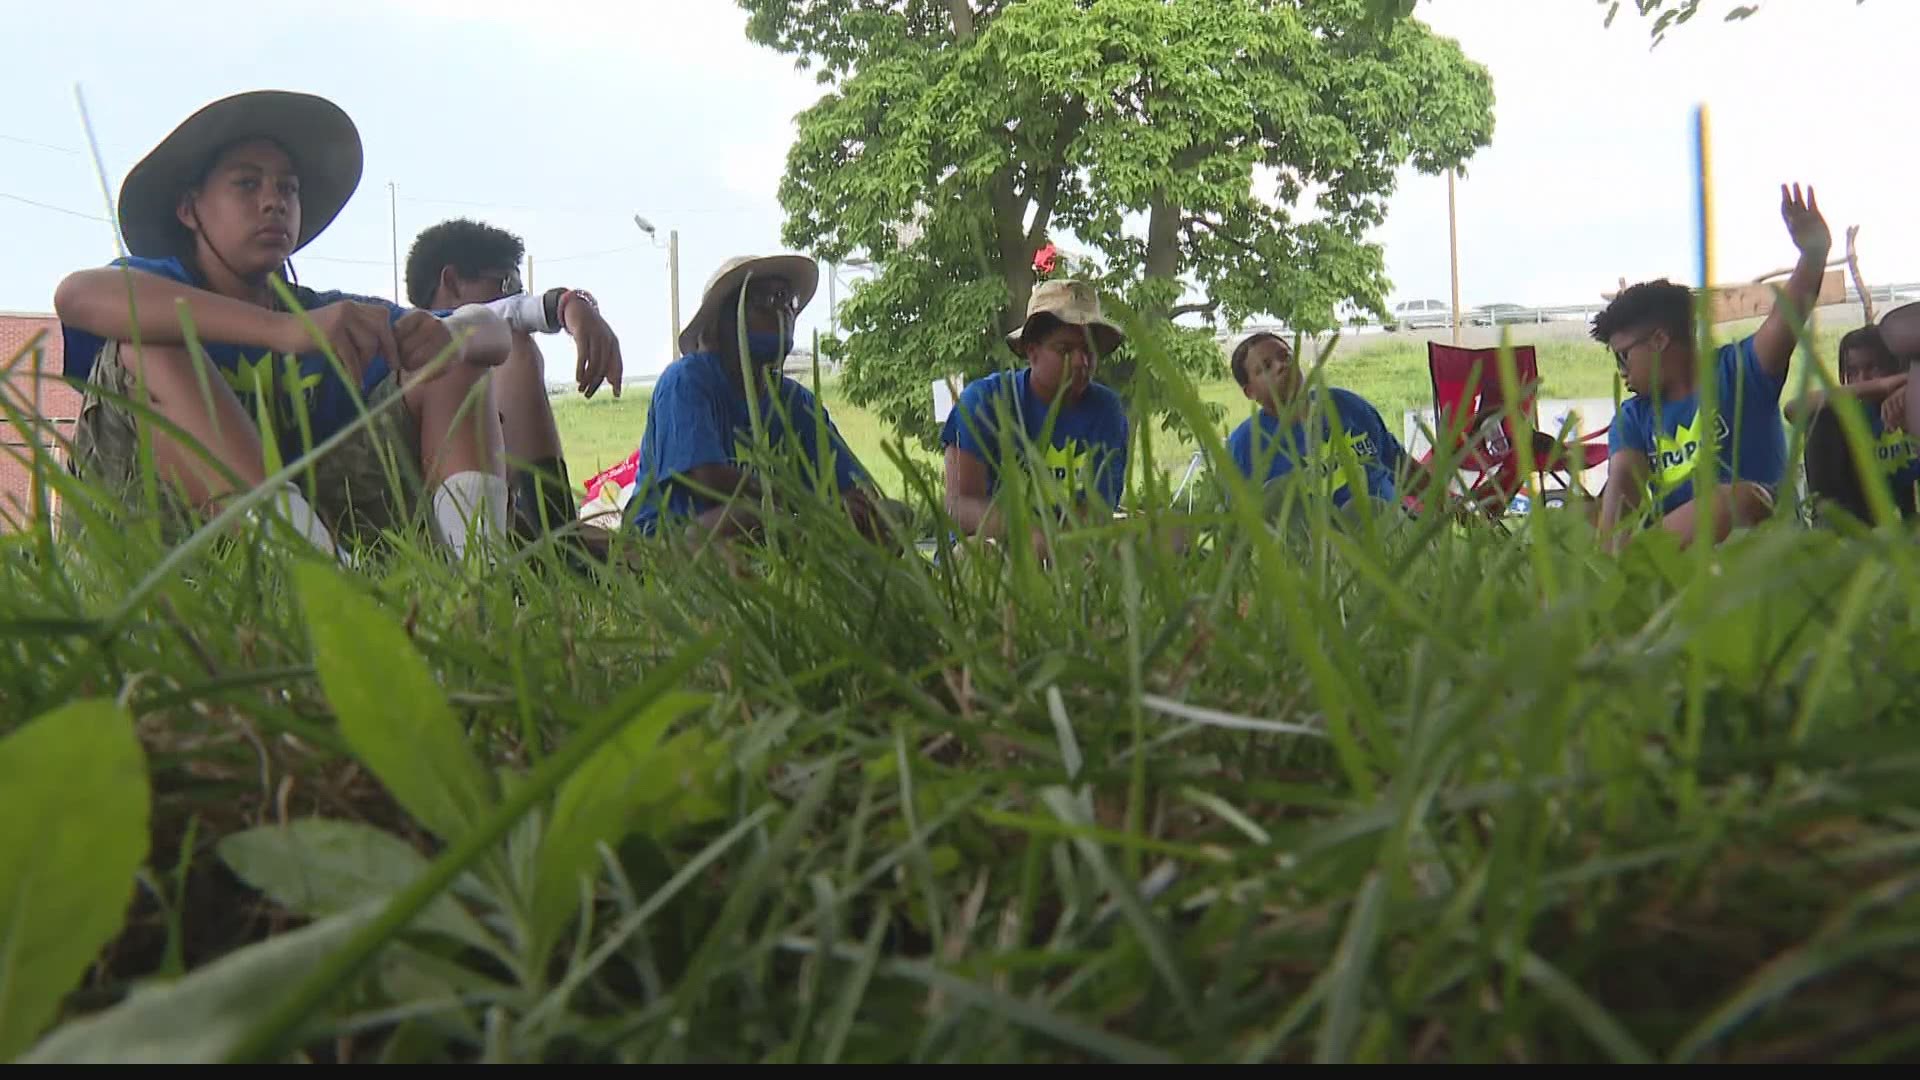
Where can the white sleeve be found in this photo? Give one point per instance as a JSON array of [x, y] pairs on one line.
[[524, 312]]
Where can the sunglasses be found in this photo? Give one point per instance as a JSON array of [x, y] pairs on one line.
[[1620, 355]]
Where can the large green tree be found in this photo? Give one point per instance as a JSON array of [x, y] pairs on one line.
[[1220, 159]]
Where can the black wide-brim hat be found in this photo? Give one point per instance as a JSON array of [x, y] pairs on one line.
[[316, 134]]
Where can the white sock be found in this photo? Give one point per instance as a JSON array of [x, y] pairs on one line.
[[463, 495], [294, 510]]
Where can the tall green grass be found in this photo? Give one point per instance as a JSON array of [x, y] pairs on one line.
[[1310, 792]]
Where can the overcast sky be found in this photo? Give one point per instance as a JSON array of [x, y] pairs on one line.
[[562, 119]]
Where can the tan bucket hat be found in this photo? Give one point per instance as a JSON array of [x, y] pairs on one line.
[[316, 134], [1074, 303], [798, 271]]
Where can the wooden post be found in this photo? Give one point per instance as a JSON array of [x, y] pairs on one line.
[[393, 222], [1853, 269], [673, 286], [1453, 255]]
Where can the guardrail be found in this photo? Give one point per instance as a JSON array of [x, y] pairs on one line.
[[1898, 293]]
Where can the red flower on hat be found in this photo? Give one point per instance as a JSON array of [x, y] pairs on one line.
[[1043, 260]]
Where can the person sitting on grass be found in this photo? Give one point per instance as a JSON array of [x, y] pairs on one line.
[[690, 468], [1276, 444], [462, 262], [1084, 453], [213, 212], [1656, 435], [1870, 375]]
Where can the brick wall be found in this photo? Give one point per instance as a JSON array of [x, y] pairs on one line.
[[30, 379]]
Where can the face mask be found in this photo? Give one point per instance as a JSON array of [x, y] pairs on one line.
[[767, 348]]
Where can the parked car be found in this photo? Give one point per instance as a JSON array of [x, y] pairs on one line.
[[1501, 315], [1421, 315]]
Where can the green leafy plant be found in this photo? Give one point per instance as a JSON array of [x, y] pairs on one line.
[[73, 789]]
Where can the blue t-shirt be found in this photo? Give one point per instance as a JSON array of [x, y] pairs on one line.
[[1749, 431], [289, 384], [697, 417], [1896, 452], [1087, 448], [1378, 452]]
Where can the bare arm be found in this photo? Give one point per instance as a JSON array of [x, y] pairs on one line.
[[967, 500], [721, 481], [1773, 342], [98, 302], [1626, 481], [483, 336], [1874, 390]]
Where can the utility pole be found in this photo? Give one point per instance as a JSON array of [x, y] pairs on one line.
[[1453, 254], [393, 222], [833, 299], [673, 278]]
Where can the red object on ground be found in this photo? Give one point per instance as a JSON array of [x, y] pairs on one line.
[[621, 475], [1470, 419]]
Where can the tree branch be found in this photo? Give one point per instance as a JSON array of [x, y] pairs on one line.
[[1050, 187], [1207, 308]]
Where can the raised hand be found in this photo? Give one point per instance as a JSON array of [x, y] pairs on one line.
[[597, 347], [1804, 222]]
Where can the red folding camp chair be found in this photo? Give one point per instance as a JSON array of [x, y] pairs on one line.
[[1470, 419]]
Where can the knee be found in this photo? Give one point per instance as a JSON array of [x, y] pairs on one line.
[[721, 523], [460, 386], [1751, 503], [161, 367]]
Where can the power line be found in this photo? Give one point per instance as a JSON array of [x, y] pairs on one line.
[[544, 260], [55, 209], [38, 143]]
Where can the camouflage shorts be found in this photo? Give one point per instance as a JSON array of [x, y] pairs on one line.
[[352, 486]]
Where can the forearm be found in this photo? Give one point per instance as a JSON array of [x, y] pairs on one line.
[[1803, 287], [1872, 390], [1774, 341], [723, 483], [480, 334], [976, 516], [119, 304]]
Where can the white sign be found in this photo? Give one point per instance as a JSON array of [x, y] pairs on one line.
[[945, 392]]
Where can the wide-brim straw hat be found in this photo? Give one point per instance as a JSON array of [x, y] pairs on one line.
[[1074, 303], [316, 134], [800, 273]]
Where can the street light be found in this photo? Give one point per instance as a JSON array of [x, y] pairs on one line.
[[673, 279]]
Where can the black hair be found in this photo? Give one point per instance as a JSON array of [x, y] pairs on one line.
[[1867, 341], [1660, 305], [470, 247], [1245, 349]]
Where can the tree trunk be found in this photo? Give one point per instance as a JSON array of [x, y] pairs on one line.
[[1009, 210], [1010, 238], [1163, 245]]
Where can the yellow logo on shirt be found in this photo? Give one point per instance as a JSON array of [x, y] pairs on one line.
[[1674, 454], [1894, 450]]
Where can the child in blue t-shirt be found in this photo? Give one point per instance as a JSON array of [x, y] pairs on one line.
[[1050, 416], [692, 471], [1869, 374], [210, 216], [1292, 437], [1655, 439]]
